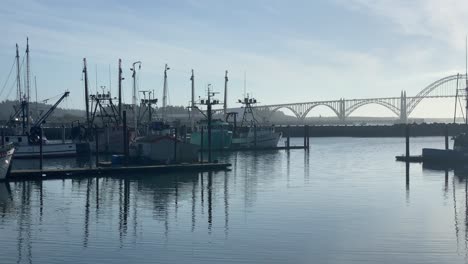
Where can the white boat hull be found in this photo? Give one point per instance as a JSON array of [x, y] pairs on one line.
[[264, 140], [5, 160], [48, 150]]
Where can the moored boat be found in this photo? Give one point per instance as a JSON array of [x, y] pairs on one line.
[[221, 135], [6, 153]]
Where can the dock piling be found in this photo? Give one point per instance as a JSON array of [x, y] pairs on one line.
[[40, 148], [305, 136], [308, 136], [3, 137], [125, 136], [96, 140], [201, 145], [63, 134], [255, 136], [407, 135], [175, 145], [288, 140], [446, 138]]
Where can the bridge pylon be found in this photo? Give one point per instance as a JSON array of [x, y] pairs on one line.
[[403, 108], [342, 111]]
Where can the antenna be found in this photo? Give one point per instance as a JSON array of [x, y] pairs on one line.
[[245, 83]]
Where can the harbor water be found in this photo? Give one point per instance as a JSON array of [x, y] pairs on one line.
[[346, 200]]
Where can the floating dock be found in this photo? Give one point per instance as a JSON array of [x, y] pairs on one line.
[[126, 171]]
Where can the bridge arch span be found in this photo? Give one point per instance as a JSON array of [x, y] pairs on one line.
[[304, 115], [387, 105], [275, 109], [457, 78]]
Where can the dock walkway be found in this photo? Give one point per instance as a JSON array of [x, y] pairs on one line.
[[69, 173]]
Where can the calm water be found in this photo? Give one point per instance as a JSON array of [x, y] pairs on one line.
[[346, 201]]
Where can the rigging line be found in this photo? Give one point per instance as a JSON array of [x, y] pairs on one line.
[[8, 78]]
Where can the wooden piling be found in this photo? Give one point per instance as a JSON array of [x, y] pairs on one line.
[[125, 136], [96, 140], [175, 145], [40, 149], [255, 136], [3, 137], [446, 138], [201, 144], [288, 140], [407, 135], [63, 134], [305, 136], [308, 136]]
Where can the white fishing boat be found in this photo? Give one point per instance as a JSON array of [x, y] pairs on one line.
[[27, 149], [251, 134], [6, 152]]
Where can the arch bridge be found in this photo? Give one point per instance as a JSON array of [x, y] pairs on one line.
[[401, 106]]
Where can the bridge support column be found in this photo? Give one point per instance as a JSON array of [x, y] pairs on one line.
[[403, 112], [342, 111]]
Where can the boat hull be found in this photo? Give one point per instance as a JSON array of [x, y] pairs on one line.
[[264, 140], [48, 150], [6, 153], [220, 139]]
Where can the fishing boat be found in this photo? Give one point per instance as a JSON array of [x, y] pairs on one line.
[[251, 134], [163, 146], [221, 135], [26, 135], [6, 153]]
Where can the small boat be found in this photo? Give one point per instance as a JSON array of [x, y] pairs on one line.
[[6, 152], [251, 134], [221, 135], [162, 146], [26, 148]]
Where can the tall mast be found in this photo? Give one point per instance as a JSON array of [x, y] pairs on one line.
[[134, 99], [466, 78], [165, 92], [35, 88], [18, 78], [225, 92], [120, 88], [85, 71], [192, 79], [28, 88]]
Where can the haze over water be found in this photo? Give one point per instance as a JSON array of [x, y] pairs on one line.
[[344, 201]]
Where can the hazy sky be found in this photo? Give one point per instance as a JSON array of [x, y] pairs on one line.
[[291, 51]]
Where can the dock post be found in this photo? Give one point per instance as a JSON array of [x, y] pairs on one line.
[[125, 136], [407, 135], [3, 137], [40, 148], [255, 136], [63, 134], [305, 136], [288, 140], [308, 137], [175, 145], [201, 145], [96, 140], [446, 138]]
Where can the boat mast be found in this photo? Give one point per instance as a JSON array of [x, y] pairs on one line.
[[28, 88], [466, 78], [134, 100], [18, 79], [225, 93], [85, 71], [120, 88], [165, 92], [192, 79]]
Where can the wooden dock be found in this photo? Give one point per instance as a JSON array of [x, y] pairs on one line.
[[127, 171], [255, 149]]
